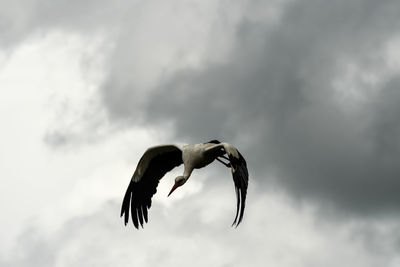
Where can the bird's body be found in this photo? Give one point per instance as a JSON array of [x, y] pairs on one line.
[[158, 160], [197, 156]]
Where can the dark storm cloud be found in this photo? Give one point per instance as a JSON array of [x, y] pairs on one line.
[[277, 96]]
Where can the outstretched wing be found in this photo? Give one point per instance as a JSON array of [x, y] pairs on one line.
[[153, 165], [240, 176]]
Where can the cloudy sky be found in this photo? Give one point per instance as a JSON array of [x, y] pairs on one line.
[[309, 92]]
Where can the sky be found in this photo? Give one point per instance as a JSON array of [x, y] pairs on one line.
[[308, 91]]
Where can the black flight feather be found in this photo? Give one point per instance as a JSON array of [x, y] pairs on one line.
[[141, 189], [240, 177]]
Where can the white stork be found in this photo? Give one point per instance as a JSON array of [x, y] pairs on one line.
[[159, 160]]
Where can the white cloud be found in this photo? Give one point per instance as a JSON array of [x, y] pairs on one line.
[[274, 233], [45, 83]]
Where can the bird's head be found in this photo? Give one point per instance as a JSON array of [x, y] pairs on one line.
[[180, 180]]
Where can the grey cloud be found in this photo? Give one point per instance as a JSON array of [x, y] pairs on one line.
[[23, 18], [276, 96]]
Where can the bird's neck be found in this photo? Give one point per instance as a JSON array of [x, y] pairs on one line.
[[187, 172]]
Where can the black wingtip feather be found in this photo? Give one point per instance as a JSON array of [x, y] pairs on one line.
[[134, 217], [125, 203], [240, 179], [144, 209], [242, 173], [237, 205], [140, 215]]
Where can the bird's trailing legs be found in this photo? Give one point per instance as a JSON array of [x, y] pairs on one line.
[[225, 158], [228, 165]]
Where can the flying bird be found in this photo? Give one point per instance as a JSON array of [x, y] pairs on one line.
[[159, 160]]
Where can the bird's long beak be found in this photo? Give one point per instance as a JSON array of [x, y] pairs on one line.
[[173, 188]]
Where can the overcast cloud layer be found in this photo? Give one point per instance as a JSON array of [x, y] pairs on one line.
[[312, 94], [309, 91]]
